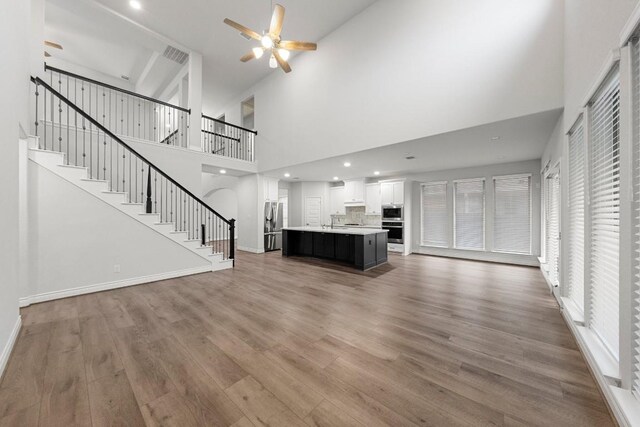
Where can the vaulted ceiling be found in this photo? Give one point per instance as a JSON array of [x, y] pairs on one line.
[[110, 36]]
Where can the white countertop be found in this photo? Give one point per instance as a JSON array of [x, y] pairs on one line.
[[340, 230]]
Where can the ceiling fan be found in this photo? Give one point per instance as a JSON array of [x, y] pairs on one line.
[[271, 42], [53, 45]]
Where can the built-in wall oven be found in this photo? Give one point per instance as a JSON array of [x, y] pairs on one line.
[[392, 213], [396, 231]]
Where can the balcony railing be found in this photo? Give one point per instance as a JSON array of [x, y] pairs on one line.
[[124, 112], [224, 139]]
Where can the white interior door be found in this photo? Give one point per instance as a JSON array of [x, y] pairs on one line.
[[313, 211]]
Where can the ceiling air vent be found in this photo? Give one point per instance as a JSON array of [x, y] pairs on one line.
[[410, 157], [175, 55]]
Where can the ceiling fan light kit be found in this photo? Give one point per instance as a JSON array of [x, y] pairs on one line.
[[270, 41]]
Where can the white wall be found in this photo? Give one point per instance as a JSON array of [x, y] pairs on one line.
[[14, 86], [592, 30], [70, 246], [487, 172], [404, 70], [221, 193], [250, 225], [298, 192]]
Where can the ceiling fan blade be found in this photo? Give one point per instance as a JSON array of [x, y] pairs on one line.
[[52, 44], [242, 29], [47, 54], [283, 64], [295, 45], [276, 21], [248, 57]]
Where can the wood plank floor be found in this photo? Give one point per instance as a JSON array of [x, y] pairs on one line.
[[421, 341]]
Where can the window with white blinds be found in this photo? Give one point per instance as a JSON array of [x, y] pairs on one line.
[[575, 277], [635, 67], [435, 230], [604, 172], [468, 223], [512, 214], [553, 228]]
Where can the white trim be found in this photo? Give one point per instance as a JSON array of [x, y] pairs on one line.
[[518, 175], [478, 255], [248, 249], [630, 27], [612, 60], [481, 178], [422, 184], [81, 290], [6, 351]]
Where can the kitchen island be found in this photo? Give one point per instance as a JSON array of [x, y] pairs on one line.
[[364, 248]]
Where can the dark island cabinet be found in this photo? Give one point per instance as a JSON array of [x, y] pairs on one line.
[[363, 251], [345, 247]]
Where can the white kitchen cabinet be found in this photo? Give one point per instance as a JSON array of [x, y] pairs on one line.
[[354, 192], [392, 193], [270, 189], [337, 201], [373, 199]]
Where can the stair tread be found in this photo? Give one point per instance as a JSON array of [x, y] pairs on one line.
[[94, 180], [73, 166]]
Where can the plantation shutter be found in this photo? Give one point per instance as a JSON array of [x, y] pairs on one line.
[[575, 282], [434, 215], [469, 214], [553, 229], [512, 214], [605, 211]]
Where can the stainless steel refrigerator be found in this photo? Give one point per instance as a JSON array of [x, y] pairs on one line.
[[272, 226]]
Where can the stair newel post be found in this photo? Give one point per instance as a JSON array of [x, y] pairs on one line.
[[149, 207], [203, 239], [232, 233]]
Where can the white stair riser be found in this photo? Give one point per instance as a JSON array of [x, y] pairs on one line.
[[72, 173], [149, 219], [115, 199], [192, 244], [94, 186], [130, 209], [48, 159]]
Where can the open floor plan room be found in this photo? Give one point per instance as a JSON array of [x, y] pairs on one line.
[[325, 213], [421, 341]]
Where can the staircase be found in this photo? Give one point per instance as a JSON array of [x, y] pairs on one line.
[[74, 145]]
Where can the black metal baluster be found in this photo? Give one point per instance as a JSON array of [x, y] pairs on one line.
[[149, 205], [37, 118]]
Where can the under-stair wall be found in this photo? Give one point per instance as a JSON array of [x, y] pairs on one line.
[[79, 243]]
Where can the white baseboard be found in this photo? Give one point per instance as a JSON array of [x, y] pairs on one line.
[[65, 293], [6, 351], [252, 250], [499, 257]]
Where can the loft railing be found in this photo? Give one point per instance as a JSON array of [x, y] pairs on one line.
[[63, 126], [224, 139], [124, 112]]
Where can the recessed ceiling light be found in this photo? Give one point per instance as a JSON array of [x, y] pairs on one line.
[[335, 178], [287, 175], [347, 164], [495, 138], [376, 173], [135, 4], [222, 171]]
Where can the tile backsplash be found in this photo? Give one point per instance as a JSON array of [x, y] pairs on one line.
[[356, 215]]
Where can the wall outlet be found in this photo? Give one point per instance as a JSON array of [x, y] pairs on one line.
[[116, 268]]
